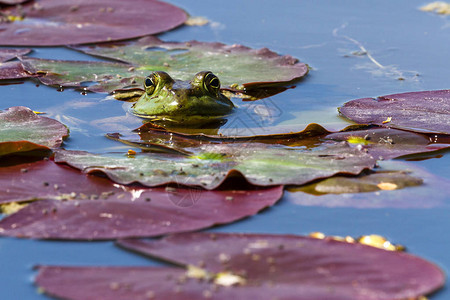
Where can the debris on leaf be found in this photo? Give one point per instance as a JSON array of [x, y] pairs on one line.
[[439, 7]]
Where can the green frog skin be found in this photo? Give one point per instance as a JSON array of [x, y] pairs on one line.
[[196, 101]]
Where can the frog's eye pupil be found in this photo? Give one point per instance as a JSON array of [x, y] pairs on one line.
[[215, 83], [148, 82], [212, 83]]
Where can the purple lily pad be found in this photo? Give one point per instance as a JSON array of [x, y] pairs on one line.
[[13, 2], [250, 266], [52, 23], [12, 70], [396, 184], [238, 67], [21, 130], [388, 143], [47, 180], [7, 54], [381, 143], [427, 111], [94, 208]]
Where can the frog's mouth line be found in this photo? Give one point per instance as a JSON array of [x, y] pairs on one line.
[[185, 120]]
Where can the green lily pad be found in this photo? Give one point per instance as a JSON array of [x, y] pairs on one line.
[[210, 164], [62, 22], [238, 67], [21, 130]]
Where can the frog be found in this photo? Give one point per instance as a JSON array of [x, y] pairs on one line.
[[196, 101]]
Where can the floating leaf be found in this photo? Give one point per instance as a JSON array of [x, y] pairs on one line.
[[235, 65], [92, 207], [387, 143], [47, 180], [250, 266], [21, 130], [396, 184], [12, 70], [210, 164], [427, 111], [381, 143], [8, 54], [52, 23], [12, 2]]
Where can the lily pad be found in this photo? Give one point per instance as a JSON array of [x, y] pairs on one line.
[[47, 180], [92, 208], [427, 111], [21, 130], [238, 67], [396, 184], [250, 266], [12, 2], [52, 23], [156, 214], [261, 164], [8, 54], [381, 143], [12, 70], [388, 143]]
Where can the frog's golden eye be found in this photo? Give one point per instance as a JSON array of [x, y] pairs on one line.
[[150, 84], [212, 83]]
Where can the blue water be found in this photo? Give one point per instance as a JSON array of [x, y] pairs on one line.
[[408, 43]]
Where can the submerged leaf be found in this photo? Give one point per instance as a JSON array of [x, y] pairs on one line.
[[427, 111], [396, 184], [238, 67], [262, 266], [93, 208], [21, 130], [51, 23]]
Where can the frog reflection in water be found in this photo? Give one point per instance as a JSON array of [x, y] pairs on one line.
[[188, 102]]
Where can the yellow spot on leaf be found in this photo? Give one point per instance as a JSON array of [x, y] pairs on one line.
[[12, 18], [378, 241], [317, 235], [196, 21], [197, 273], [389, 119], [228, 279], [372, 240], [387, 186], [10, 208], [321, 236], [439, 7], [358, 140]]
